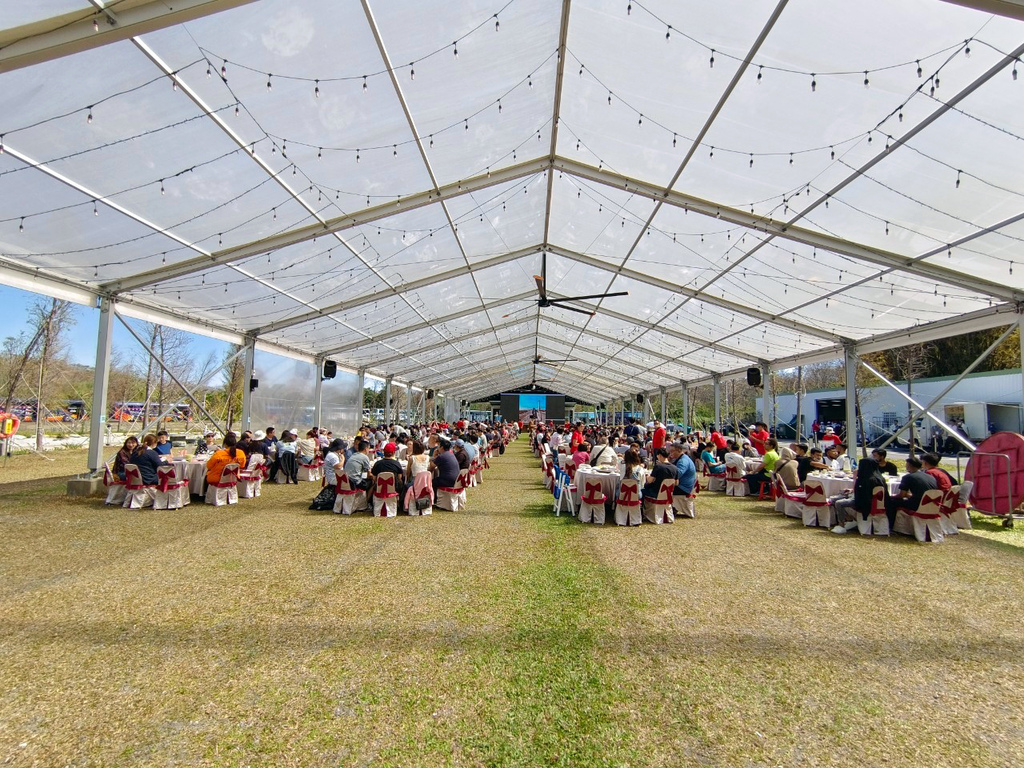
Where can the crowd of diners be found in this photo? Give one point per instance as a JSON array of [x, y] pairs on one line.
[[438, 448], [757, 456]]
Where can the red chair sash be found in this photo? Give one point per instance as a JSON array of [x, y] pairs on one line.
[[665, 492], [383, 484], [133, 478], [592, 493]]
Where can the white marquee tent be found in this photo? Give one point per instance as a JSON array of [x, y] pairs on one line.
[[376, 183]]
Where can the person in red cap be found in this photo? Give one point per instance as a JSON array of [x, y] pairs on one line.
[[390, 464]]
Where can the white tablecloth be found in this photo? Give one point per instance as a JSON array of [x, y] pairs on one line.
[[834, 486], [194, 472], [609, 482]]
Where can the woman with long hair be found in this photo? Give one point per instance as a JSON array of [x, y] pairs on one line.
[[126, 455], [869, 477]]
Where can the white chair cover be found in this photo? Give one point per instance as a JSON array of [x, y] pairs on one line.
[[923, 523], [454, 498], [735, 485], [171, 490], [877, 523], [815, 507], [115, 486], [659, 509], [137, 495], [627, 506], [592, 501], [385, 496], [349, 499], [250, 479], [226, 490]]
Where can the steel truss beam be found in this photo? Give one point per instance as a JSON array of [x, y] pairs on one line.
[[675, 288], [56, 37], [786, 231], [432, 322], [421, 351], [417, 367], [331, 226], [412, 285], [1011, 9]]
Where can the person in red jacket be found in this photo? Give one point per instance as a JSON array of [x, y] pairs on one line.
[[576, 438], [719, 442], [658, 439]]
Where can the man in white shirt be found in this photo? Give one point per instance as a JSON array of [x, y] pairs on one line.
[[602, 454], [555, 440]]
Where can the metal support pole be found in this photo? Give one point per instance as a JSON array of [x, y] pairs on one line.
[[100, 384], [433, 407], [718, 402], [799, 404], [423, 405], [360, 393], [850, 356], [248, 363], [767, 411], [956, 435], [664, 405], [318, 392], [408, 402], [684, 392], [387, 400]]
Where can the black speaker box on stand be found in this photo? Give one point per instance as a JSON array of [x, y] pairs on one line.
[[330, 369], [754, 377]]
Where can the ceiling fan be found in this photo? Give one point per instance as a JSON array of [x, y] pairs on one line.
[[538, 360], [544, 301]]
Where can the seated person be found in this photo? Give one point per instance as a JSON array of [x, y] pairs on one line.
[[663, 469], [286, 462], [126, 455], [762, 473], [787, 468], [147, 459], [307, 448], [163, 443], [831, 459], [603, 455], [807, 462], [582, 454], [859, 503], [733, 458], [686, 471], [632, 466], [444, 465], [912, 487], [884, 465], [390, 464], [229, 453], [943, 479], [357, 467], [711, 462], [747, 450], [205, 444]]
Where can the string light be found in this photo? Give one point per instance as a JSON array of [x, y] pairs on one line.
[[88, 117], [95, 25], [209, 69], [711, 61], [412, 71], [162, 190], [668, 32], [760, 72], [316, 89], [365, 86], [958, 179], [920, 72], [224, 70], [497, 22], [95, 209], [455, 48], [270, 86], [814, 82], [1014, 72], [21, 225], [866, 81]]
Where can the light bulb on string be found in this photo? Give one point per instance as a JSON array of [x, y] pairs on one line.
[[760, 72], [920, 72], [936, 82], [581, 70], [711, 61], [886, 229], [95, 25], [466, 123], [316, 89], [833, 152], [866, 81], [174, 81], [320, 153], [668, 32], [455, 48], [162, 190], [21, 225], [958, 179], [1014, 72], [751, 159], [357, 155], [900, 116], [365, 87], [814, 82], [236, 110], [641, 120], [529, 81], [497, 23], [431, 141], [270, 86], [412, 71], [673, 140], [209, 69], [394, 150], [95, 209], [967, 48], [790, 158], [711, 154], [499, 106], [629, 8], [88, 117]]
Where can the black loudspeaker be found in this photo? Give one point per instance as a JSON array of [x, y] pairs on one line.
[[639, 398], [754, 377], [253, 383], [430, 394], [330, 369]]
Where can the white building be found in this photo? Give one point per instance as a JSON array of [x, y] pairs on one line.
[[986, 402]]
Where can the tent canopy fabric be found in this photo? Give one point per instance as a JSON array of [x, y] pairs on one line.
[[378, 183]]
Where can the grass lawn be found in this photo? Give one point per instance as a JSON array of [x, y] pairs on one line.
[[265, 634]]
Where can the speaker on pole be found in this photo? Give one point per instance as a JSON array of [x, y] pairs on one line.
[[253, 383], [330, 369], [754, 377], [430, 394], [639, 398]]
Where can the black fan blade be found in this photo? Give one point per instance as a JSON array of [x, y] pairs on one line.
[[573, 309], [591, 296], [547, 361]]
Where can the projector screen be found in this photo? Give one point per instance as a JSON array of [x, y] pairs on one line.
[[526, 407]]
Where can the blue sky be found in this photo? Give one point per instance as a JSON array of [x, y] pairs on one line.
[[82, 336]]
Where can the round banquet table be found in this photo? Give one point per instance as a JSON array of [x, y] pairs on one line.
[[835, 486], [609, 482], [194, 471]]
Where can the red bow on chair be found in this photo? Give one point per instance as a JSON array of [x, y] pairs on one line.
[[383, 486], [592, 493], [627, 494], [133, 480], [164, 478]]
